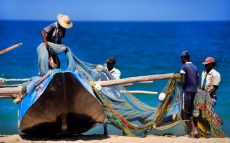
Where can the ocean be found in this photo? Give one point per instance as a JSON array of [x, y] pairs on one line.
[[141, 48]]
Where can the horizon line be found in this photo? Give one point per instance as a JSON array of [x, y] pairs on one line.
[[120, 20]]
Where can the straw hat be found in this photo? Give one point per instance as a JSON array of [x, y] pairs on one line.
[[64, 21]]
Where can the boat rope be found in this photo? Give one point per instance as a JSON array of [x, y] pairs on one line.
[[119, 121]]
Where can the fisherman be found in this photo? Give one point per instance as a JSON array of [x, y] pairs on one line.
[[54, 33], [189, 80], [111, 62], [210, 79]]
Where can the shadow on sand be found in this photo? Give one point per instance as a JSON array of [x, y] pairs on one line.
[[64, 137]]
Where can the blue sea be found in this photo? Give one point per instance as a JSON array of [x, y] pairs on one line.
[[141, 48]]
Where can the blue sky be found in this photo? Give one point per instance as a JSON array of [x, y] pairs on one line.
[[122, 10]]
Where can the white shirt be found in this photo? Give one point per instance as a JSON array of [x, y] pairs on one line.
[[115, 73], [212, 78]]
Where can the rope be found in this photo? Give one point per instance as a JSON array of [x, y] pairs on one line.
[[119, 121]]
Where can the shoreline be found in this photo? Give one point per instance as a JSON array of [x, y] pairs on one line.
[[109, 139]]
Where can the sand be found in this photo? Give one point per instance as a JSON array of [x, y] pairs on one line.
[[110, 139]]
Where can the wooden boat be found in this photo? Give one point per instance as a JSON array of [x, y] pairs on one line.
[[62, 103]]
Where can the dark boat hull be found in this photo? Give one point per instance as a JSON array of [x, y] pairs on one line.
[[64, 104]]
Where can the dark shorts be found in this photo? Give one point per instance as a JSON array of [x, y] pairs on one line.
[[188, 105]]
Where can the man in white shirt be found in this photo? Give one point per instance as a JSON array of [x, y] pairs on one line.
[[111, 62], [210, 79]]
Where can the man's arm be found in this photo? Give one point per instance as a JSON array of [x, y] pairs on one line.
[[213, 90], [44, 38], [216, 81], [44, 33], [117, 74], [182, 73], [182, 79], [197, 80]]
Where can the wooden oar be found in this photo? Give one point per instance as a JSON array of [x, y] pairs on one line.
[[10, 48], [138, 92]]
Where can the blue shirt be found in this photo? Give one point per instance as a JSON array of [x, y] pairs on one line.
[[190, 72]]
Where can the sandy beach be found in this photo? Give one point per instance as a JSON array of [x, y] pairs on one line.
[[110, 139]]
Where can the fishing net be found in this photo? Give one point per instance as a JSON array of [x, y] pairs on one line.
[[124, 110], [209, 122]]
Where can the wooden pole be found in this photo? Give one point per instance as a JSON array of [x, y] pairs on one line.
[[138, 92], [135, 79], [10, 85], [8, 92], [10, 48], [15, 80], [7, 96], [128, 84], [146, 82]]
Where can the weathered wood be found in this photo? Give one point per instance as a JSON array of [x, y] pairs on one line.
[[138, 92], [10, 90], [146, 82], [43, 78], [128, 84], [135, 79], [142, 82], [10, 48], [64, 106], [10, 85], [8, 96], [15, 80]]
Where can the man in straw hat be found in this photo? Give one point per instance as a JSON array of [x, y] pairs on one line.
[[54, 33], [210, 79]]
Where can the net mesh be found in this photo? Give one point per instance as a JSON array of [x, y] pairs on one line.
[[128, 113]]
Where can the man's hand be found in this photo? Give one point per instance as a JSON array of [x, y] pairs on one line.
[[44, 36], [67, 50], [213, 91], [47, 45]]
